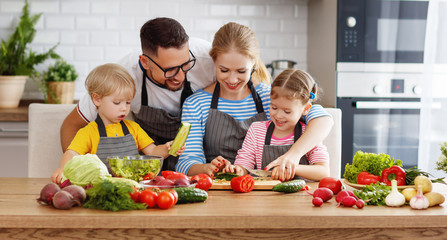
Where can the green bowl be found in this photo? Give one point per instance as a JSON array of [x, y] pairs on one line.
[[137, 168]]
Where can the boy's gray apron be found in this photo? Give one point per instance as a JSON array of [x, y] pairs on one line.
[[272, 152], [224, 135], [158, 123], [114, 146]]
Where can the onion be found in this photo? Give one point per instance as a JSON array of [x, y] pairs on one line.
[[77, 192], [47, 193], [64, 200]]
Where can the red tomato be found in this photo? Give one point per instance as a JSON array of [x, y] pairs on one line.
[[332, 183], [175, 194], [167, 173], [149, 197], [165, 200], [135, 195], [204, 181], [148, 176], [175, 175], [242, 184]]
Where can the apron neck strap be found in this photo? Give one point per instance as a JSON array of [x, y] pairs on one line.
[[268, 136], [254, 94], [186, 92], [102, 128]]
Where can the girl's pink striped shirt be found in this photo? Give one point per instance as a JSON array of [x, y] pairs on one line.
[[252, 148]]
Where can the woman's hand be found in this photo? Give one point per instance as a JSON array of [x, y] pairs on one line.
[[215, 166], [284, 167]]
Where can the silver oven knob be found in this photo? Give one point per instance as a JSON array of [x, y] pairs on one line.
[[417, 90], [351, 21], [377, 89]]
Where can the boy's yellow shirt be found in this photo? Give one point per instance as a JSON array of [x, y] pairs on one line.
[[87, 138]]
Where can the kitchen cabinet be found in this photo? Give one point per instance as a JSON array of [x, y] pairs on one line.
[[14, 149]]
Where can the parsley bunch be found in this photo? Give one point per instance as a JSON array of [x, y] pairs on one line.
[[369, 162], [373, 194]]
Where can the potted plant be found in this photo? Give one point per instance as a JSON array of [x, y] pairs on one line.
[[58, 83], [18, 61]]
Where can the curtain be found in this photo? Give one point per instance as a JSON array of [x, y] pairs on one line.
[[433, 121]]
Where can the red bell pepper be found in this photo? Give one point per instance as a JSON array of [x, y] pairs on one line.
[[243, 184], [366, 178], [394, 172]]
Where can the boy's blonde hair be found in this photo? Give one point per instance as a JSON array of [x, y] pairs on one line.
[[294, 84], [106, 79]]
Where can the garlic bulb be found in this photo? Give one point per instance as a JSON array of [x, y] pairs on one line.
[[395, 198], [419, 201]]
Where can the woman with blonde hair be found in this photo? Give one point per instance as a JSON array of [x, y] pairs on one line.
[[221, 114]]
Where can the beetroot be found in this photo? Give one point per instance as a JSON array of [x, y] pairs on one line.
[[64, 200], [324, 193], [47, 193], [77, 192]]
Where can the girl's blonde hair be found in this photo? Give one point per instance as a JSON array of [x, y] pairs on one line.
[[106, 79], [241, 38], [295, 84]]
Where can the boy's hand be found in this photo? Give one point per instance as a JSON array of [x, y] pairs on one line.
[[57, 176]]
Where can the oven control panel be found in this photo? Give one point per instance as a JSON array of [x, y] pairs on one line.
[[401, 85]]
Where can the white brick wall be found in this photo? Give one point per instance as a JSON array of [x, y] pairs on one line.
[[93, 32]]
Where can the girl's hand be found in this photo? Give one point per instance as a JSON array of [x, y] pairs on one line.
[[57, 176], [283, 168], [240, 170]]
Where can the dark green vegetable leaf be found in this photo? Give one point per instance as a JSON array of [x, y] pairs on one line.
[[373, 194], [111, 196]]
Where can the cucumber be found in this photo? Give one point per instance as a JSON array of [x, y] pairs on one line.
[[290, 186], [180, 138], [226, 176], [191, 195]]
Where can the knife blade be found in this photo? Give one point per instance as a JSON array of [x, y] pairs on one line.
[[260, 173]]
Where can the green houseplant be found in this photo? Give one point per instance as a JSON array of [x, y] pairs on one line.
[[58, 83], [18, 62]]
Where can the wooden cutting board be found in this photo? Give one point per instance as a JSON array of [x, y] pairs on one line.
[[259, 185]]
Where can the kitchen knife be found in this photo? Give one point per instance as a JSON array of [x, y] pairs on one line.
[[260, 173]]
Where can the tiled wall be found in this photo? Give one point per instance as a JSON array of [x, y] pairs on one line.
[[93, 32]]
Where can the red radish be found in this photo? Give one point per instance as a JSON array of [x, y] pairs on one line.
[[324, 193], [342, 194], [360, 203], [47, 193], [317, 201], [348, 201], [64, 200]]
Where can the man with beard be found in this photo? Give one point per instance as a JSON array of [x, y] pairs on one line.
[[170, 68]]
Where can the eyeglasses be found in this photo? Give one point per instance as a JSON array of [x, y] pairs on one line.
[[171, 72]]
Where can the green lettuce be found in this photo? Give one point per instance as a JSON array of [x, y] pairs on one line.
[[85, 169]]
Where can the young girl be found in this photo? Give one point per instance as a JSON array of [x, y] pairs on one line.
[[291, 95], [112, 89]]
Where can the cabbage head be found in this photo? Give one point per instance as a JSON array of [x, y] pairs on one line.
[[85, 169]]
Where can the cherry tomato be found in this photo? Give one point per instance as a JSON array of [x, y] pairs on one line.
[[135, 195], [148, 197], [148, 176], [165, 200], [204, 181], [305, 188], [175, 195], [332, 183]]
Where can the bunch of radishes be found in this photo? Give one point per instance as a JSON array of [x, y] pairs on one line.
[[65, 198], [330, 186]]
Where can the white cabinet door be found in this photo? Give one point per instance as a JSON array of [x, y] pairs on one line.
[[14, 149]]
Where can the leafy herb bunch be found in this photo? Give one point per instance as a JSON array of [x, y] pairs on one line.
[[61, 71], [15, 56], [441, 164]]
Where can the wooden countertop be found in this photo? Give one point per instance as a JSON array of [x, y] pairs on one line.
[[19, 114], [258, 214]]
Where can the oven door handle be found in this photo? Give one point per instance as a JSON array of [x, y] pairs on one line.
[[387, 105]]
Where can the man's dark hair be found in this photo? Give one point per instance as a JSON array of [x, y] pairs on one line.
[[162, 32]]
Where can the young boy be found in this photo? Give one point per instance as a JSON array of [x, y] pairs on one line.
[[112, 89]]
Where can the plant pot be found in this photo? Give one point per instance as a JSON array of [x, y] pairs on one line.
[[60, 92], [11, 90]]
